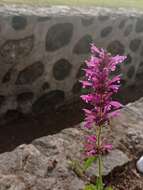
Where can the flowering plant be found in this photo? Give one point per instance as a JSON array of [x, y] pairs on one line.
[[98, 78]]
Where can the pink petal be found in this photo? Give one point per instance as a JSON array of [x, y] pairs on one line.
[[94, 49], [116, 104], [85, 83], [107, 147], [91, 138], [87, 98], [88, 125], [115, 79]]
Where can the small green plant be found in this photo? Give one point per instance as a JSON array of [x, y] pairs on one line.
[[96, 187]]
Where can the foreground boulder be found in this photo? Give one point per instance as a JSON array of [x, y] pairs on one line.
[[44, 164]]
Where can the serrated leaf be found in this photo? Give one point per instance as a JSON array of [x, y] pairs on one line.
[[88, 163]]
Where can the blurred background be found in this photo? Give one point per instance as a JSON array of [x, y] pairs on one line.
[[109, 3], [42, 53]]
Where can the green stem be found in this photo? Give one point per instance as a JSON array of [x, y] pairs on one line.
[[99, 136], [99, 159], [100, 171]]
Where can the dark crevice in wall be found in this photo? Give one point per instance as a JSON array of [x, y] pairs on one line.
[[16, 128]]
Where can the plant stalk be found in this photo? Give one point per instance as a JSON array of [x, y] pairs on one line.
[[100, 187]]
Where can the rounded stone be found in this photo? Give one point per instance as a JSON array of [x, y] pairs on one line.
[[139, 73], [30, 73], [19, 22], [141, 51], [12, 115], [131, 72], [83, 45], [48, 100], [2, 99], [45, 86], [139, 25], [122, 24], [77, 88], [7, 76], [106, 31], [61, 69], [128, 30], [87, 21], [103, 17], [25, 96], [116, 47], [128, 60], [139, 165], [139, 76], [12, 50], [43, 18], [58, 36], [135, 44], [141, 64]]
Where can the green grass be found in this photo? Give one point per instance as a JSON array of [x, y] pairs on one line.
[[108, 3]]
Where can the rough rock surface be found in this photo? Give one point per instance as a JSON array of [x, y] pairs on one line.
[[44, 164]]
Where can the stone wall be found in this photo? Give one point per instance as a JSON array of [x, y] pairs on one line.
[[42, 51]]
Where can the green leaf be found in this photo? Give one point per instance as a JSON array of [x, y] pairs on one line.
[[88, 163], [84, 91], [108, 188], [77, 168], [90, 187], [99, 184]]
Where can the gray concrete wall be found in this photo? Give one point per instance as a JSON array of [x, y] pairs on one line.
[[42, 51]]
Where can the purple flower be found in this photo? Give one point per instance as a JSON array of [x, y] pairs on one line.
[[97, 72], [102, 86], [107, 147], [91, 147]]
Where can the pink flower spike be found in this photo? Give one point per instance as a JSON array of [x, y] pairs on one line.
[[101, 87]]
